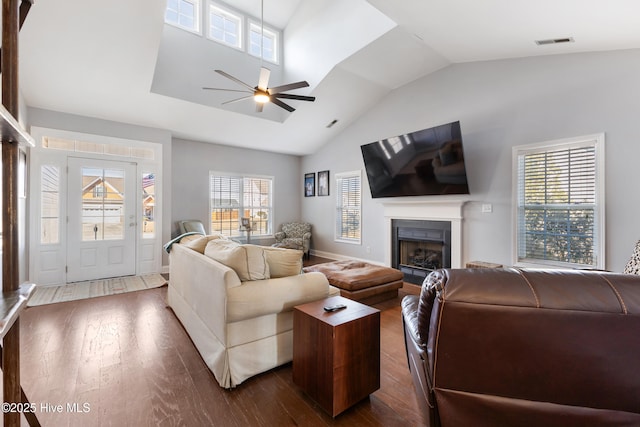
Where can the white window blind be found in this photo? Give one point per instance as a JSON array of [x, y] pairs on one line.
[[49, 205], [560, 208], [348, 207], [236, 197]]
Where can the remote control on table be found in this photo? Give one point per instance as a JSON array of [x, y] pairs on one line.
[[334, 307]]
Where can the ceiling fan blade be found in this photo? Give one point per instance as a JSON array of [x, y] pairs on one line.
[[290, 86], [230, 77], [297, 97], [226, 90], [281, 104], [263, 81], [238, 99], [259, 107]]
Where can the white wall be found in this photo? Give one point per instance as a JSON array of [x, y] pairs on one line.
[[500, 104], [192, 161]]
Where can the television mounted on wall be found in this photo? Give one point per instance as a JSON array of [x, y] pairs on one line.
[[425, 162]]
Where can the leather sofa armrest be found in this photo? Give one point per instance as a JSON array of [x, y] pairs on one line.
[[410, 315], [417, 359]]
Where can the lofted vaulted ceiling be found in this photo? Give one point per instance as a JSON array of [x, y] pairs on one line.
[[117, 60]]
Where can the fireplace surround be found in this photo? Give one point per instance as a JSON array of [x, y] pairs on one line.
[[449, 211]]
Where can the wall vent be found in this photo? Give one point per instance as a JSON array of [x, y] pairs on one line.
[[555, 41]]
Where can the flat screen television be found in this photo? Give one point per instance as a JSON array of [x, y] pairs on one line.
[[425, 162]]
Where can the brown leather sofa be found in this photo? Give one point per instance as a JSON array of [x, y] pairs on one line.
[[508, 347]]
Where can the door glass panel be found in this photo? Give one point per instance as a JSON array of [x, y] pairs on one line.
[[102, 204]]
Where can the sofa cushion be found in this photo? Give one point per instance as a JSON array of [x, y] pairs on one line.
[[248, 261], [283, 262], [260, 298], [198, 243]]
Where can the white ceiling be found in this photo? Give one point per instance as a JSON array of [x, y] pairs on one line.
[[113, 59]]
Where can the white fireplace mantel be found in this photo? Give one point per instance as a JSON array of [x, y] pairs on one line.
[[445, 210]]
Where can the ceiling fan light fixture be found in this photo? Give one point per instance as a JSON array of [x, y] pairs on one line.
[[261, 98]]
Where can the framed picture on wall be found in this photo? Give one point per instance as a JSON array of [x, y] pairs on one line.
[[309, 184], [323, 183]]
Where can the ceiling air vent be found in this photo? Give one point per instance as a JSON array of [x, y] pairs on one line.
[[555, 41]]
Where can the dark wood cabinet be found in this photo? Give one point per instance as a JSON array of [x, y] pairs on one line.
[[336, 355]]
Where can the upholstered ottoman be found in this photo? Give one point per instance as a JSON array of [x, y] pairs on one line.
[[361, 281]]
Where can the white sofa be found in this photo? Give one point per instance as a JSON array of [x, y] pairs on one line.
[[241, 328]]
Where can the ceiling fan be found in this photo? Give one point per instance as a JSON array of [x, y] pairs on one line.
[[262, 93]]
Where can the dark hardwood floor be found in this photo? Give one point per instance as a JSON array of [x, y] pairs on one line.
[[127, 361]]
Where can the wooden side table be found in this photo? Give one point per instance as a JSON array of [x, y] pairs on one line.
[[336, 355]]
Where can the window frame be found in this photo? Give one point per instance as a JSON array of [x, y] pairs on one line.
[[197, 6], [228, 13], [597, 141], [269, 32], [340, 225], [241, 208]]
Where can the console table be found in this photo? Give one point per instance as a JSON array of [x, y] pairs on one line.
[[336, 355]]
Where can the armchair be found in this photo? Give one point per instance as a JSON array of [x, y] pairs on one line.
[[295, 235], [191, 225], [510, 347]]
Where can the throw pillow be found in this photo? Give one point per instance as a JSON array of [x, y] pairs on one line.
[[283, 262], [248, 261], [199, 243], [633, 265]]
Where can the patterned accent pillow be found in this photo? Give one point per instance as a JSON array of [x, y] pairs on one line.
[[633, 265]]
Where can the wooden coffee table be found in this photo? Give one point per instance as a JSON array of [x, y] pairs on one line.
[[336, 355]]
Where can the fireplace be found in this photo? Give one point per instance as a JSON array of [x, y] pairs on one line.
[[434, 211], [419, 247]]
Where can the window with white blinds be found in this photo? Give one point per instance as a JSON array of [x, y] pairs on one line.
[[236, 197], [348, 207], [560, 203]]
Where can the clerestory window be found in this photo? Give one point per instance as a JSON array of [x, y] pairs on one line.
[[269, 44], [184, 14], [225, 26]]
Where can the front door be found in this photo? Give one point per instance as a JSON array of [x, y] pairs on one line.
[[101, 219]]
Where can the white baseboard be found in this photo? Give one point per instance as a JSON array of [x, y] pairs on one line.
[[339, 257]]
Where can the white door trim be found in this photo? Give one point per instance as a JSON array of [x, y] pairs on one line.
[[47, 260]]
